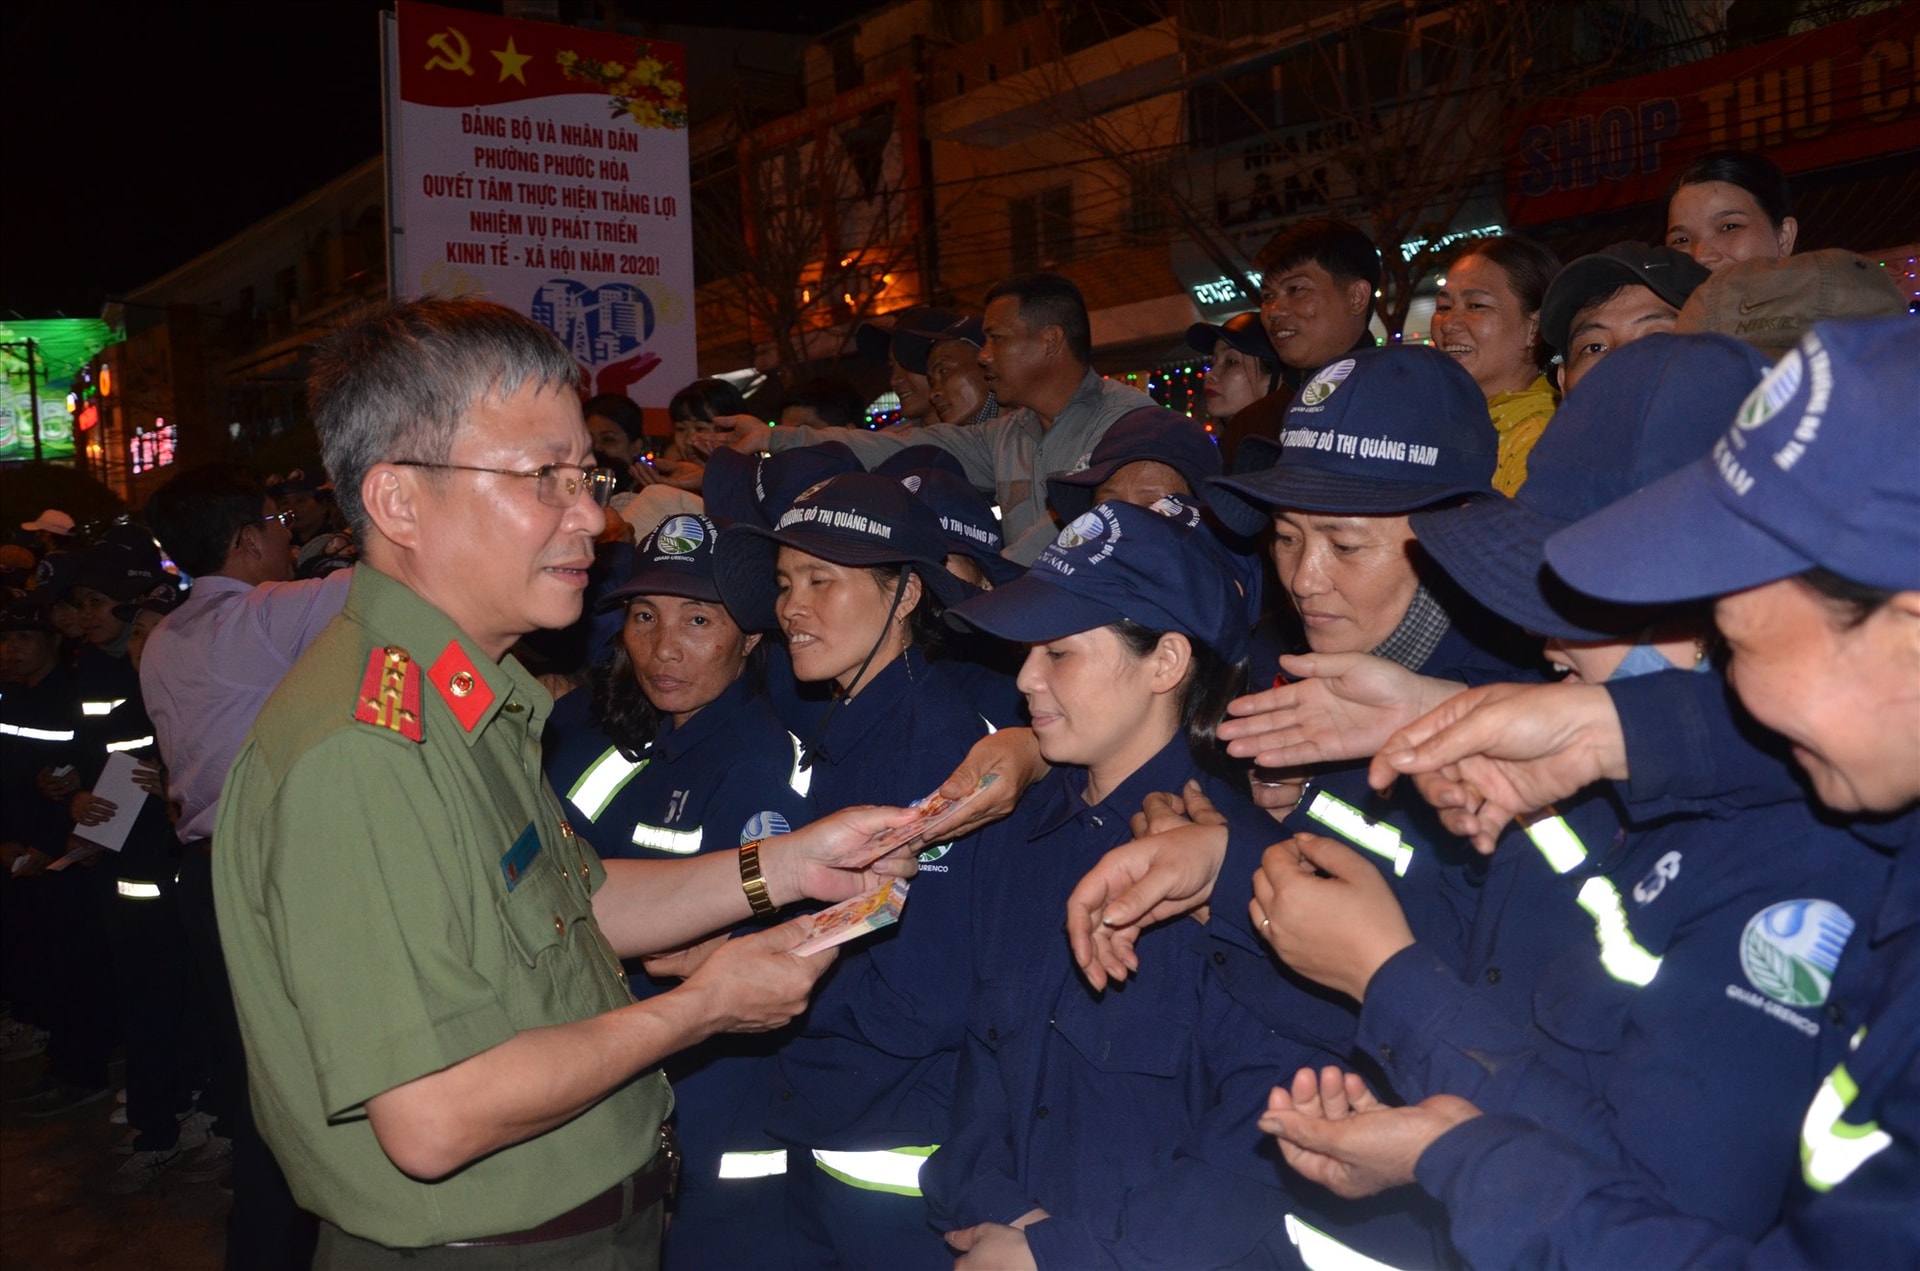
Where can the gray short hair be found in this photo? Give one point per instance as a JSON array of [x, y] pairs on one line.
[[398, 383]]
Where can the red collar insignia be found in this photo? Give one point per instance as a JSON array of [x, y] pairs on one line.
[[461, 686]]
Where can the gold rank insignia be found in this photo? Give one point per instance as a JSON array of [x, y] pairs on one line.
[[390, 694], [461, 687]]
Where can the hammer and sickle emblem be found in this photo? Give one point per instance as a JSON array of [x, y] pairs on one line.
[[455, 54]]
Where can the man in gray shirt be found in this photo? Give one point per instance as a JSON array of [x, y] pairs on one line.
[[1038, 361]]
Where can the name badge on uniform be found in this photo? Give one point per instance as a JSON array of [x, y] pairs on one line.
[[520, 857]]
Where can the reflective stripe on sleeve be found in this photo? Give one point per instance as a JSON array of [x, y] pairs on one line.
[[661, 839], [895, 1170], [1558, 843], [102, 708], [1321, 1252], [1373, 836], [604, 778], [1620, 954], [132, 890], [36, 734], [801, 779], [132, 743], [753, 1164], [1830, 1148]]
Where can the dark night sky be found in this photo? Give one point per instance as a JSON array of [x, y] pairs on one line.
[[139, 135]]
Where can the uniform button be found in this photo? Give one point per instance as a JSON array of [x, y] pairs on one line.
[[559, 925], [786, 1096], [1493, 975], [1098, 823], [513, 708], [993, 1034], [1386, 1052], [1219, 959], [1041, 1112], [1835, 1013]]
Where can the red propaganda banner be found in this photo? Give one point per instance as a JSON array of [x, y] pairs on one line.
[[1845, 92], [545, 167]]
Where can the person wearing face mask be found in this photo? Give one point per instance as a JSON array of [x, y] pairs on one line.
[[1730, 206], [1608, 300], [853, 574], [1487, 318], [676, 752], [1811, 562], [1638, 982]]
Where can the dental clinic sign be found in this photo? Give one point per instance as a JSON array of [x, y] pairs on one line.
[[545, 167]]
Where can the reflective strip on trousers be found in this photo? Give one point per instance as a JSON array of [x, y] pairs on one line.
[[102, 708], [1373, 836], [1830, 1148], [895, 1170], [661, 839], [1620, 954], [132, 890], [801, 779], [604, 778], [36, 734], [1321, 1252], [132, 743], [1558, 843], [753, 1164]]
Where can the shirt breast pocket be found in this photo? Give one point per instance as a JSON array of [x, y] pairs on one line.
[[1127, 1030], [542, 911], [1000, 1012], [1580, 1006]]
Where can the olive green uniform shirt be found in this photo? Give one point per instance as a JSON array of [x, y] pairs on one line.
[[372, 935]]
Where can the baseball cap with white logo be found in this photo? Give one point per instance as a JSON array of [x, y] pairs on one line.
[[1820, 468]]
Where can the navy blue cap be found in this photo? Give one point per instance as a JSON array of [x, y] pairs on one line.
[[920, 459], [1244, 331], [1117, 562], [1150, 432], [856, 519], [1820, 469], [876, 340], [1669, 274], [966, 519], [1645, 411], [162, 603], [675, 560], [54, 573], [125, 569], [760, 494], [913, 346], [1377, 433]]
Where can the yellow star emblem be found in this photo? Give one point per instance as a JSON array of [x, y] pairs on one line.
[[511, 62]]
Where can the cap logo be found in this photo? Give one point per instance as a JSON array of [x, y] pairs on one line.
[[912, 482], [812, 490], [1321, 386], [836, 518], [1085, 528], [680, 535], [1789, 950], [763, 825], [1174, 510], [1774, 391]]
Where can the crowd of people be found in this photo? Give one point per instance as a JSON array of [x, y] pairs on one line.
[[1463, 808]]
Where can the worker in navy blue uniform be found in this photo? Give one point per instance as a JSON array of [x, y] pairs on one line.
[[852, 575], [144, 931], [1625, 977], [1085, 1124], [1802, 523], [1374, 437], [983, 668], [39, 732], [674, 752]]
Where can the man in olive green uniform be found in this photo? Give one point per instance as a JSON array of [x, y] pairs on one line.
[[442, 1049]]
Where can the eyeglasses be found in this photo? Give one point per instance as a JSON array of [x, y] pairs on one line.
[[284, 517], [558, 485]]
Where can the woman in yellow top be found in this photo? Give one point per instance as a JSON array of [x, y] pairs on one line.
[[1487, 318]]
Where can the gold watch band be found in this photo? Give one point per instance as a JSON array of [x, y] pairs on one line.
[[752, 883]]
